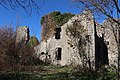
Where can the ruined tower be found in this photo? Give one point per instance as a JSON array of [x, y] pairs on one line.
[[22, 35]]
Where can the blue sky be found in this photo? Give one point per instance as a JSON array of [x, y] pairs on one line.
[[8, 17]]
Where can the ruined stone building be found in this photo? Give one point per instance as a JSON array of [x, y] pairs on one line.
[[81, 41]]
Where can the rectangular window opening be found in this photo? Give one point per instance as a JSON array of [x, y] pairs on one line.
[[58, 53], [57, 33]]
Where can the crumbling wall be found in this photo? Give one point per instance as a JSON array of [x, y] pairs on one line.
[[107, 46], [22, 35], [82, 38], [50, 21], [81, 41], [76, 42]]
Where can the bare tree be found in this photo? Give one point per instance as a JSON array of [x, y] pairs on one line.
[[108, 8], [27, 5], [12, 55], [7, 41]]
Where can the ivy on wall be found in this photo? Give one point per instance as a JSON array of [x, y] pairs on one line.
[[51, 21]]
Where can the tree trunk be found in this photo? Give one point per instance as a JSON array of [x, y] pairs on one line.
[[118, 52]]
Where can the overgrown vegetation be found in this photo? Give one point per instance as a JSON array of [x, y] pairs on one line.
[[33, 41], [51, 21], [78, 39], [19, 63], [75, 30], [15, 57], [62, 73], [58, 18]]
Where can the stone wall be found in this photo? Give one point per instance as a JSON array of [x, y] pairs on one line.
[[72, 51], [81, 41], [22, 35], [107, 48]]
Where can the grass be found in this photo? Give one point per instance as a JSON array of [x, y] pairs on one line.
[[49, 73], [58, 73]]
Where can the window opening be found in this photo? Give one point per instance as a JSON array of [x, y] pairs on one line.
[[42, 53], [58, 53], [57, 33]]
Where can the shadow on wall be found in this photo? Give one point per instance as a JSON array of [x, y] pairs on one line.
[[101, 52]]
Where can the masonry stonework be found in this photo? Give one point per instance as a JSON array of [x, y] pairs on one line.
[[22, 35], [80, 41]]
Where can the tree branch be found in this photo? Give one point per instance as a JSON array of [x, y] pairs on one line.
[[117, 7]]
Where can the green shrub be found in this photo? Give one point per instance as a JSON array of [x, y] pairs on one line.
[[33, 41], [58, 18], [107, 74]]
